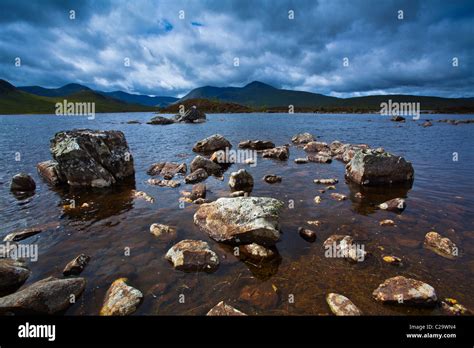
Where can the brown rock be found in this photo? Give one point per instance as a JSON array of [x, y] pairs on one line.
[[272, 179], [164, 232], [167, 169], [49, 171], [213, 143], [256, 144], [223, 309], [193, 256], [121, 299], [22, 182], [341, 305], [13, 273], [241, 180], [306, 234], [396, 205], [263, 296], [442, 246], [281, 153], [196, 176], [302, 138], [405, 291], [76, 266]]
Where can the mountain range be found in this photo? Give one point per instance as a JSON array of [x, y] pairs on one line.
[[253, 97]]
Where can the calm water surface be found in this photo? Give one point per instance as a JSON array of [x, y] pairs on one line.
[[441, 199]]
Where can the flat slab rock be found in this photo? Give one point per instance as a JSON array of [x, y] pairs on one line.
[[241, 220], [223, 309], [341, 305], [193, 256], [405, 291], [47, 296], [121, 299]]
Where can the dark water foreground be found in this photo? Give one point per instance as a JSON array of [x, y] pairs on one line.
[[441, 199]]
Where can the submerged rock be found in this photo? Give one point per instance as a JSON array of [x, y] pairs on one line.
[[164, 232], [341, 305], [223, 309], [441, 245], [343, 246], [450, 306], [397, 118], [405, 291], [76, 266], [213, 143], [13, 273], [393, 260], [91, 158], [307, 234], [369, 167], [256, 144], [121, 299], [241, 180], [22, 182], [263, 296], [49, 171], [167, 169], [193, 256], [387, 222], [302, 138], [196, 176], [192, 115], [47, 296], [281, 153], [239, 194], [338, 196], [272, 179], [161, 120], [396, 205], [143, 195], [241, 220]]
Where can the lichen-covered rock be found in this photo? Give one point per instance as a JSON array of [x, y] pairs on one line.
[[192, 115], [405, 291], [369, 167], [450, 306], [316, 146], [256, 252], [13, 273], [164, 232], [193, 256], [161, 120], [280, 153], [396, 205], [272, 179], [341, 305], [47, 296], [121, 299], [241, 180], [209, 166], [223, 309], [77, 265], [241, 220], [213, 143], [143, 195], [336, 147], [302, 138], [441, 245], [256, 144], [91, 158], [393, 260], [22, 182], [196, 176], [48, 170], [167, 169]]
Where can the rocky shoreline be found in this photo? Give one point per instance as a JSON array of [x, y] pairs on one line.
[[249, 224]]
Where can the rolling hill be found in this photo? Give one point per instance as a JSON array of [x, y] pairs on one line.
[[140, 99], [16, 101]]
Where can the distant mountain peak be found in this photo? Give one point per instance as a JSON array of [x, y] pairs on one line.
[[258, 84]]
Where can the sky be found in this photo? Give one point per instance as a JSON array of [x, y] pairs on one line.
[[339, 48]]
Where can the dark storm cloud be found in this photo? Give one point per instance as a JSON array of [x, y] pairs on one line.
[[174, 46]]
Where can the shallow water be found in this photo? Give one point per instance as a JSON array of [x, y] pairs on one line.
[[441, 199]]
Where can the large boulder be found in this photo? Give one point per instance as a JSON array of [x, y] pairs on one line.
[[213, 143], [13, 273], [121, 299], [241, 220], [405, 291], [22, 182], [47, 296], [161, 120], [281, 153], [209, 166], [193, 256], [50, 172], [91, 158], [192, 115], [370, 167]]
